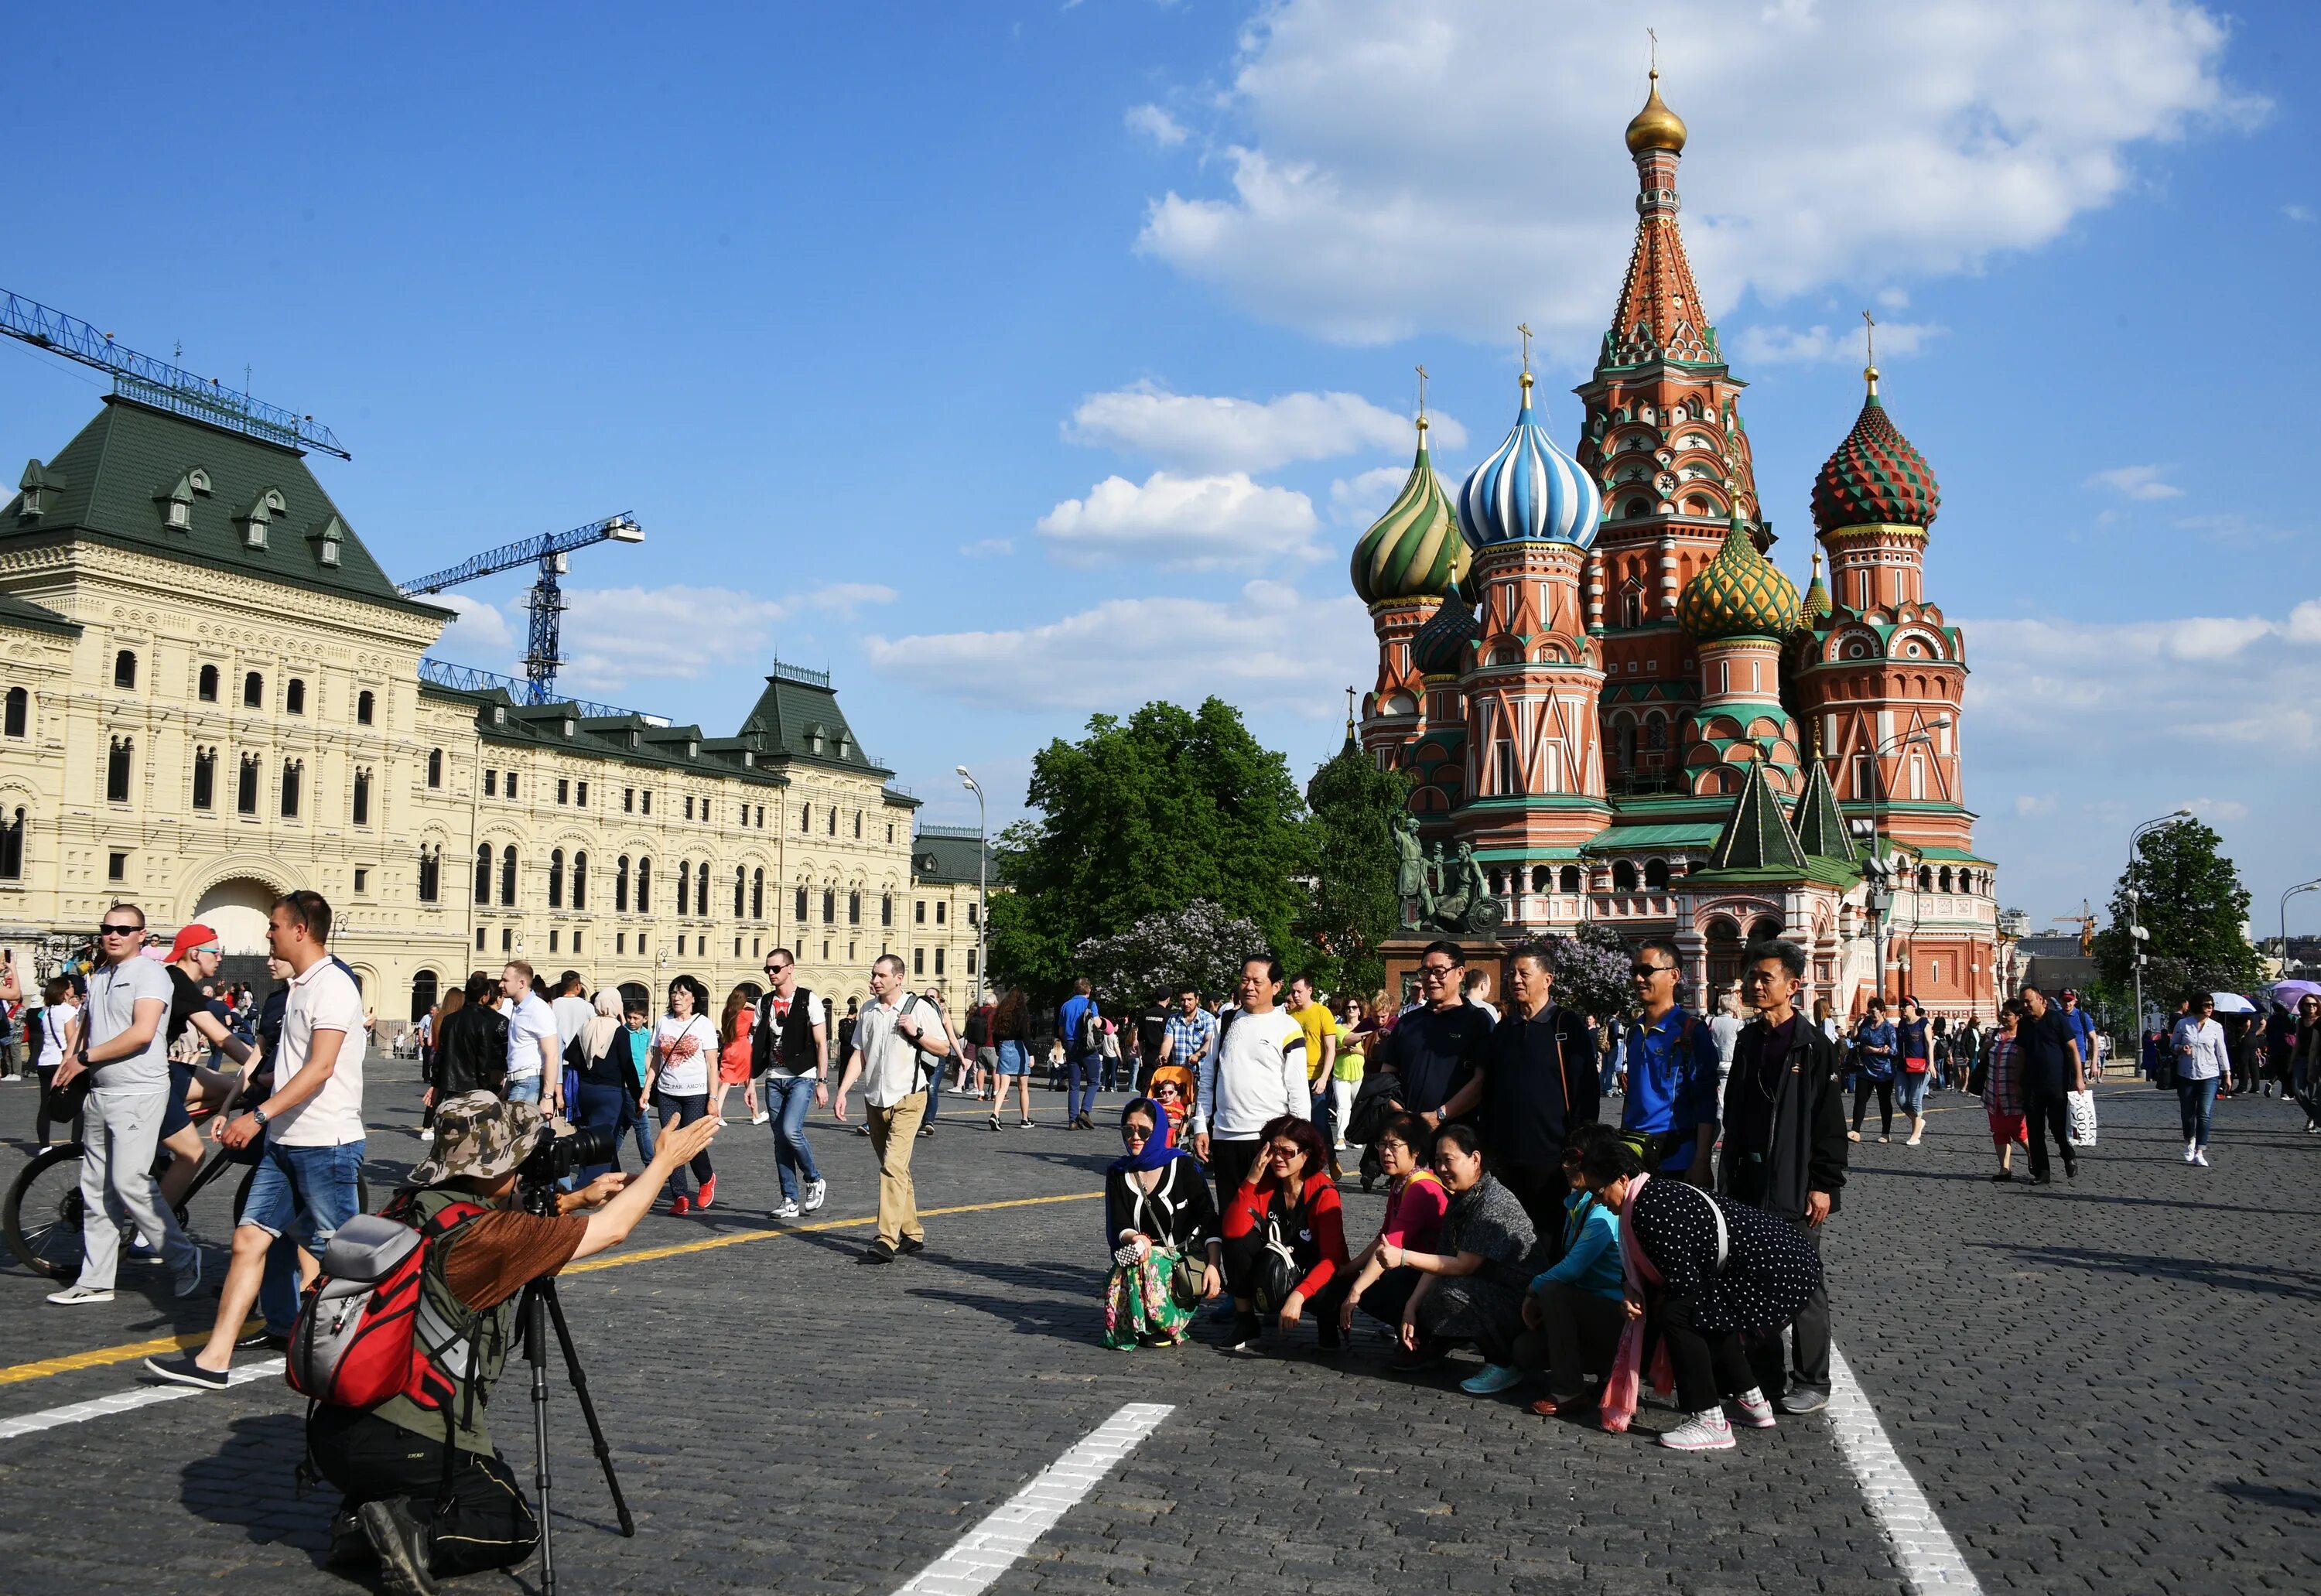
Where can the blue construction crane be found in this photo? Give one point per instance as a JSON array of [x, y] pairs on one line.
[[543, 651], [157, 383]]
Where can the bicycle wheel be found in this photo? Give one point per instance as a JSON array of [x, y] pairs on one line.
[[42, 1214]]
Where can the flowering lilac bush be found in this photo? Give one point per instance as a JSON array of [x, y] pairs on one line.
[[1200, 942], [1591, 970]]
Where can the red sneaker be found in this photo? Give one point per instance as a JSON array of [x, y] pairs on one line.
[[683, 1205], [708, 1193]]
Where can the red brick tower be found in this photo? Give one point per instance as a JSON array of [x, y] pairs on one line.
[[1402, 566], [1664, 436]]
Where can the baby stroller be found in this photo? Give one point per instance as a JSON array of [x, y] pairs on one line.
[[1177, 1091]]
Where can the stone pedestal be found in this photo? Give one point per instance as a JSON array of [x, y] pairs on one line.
[[1484, 951]]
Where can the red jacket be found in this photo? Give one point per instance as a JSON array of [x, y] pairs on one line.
[[1318, 1237]]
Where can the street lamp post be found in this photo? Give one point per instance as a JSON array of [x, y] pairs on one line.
[[2311, 886], [2137, 934], [982, 891]]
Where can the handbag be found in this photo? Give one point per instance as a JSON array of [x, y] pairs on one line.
[[2081, 1106], [1185, 1283], [1277, 1270]]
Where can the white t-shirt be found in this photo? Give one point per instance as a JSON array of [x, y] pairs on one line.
[[325, 998], [817, 1012], [1256, 1074], [688, 1077], [528, 1022], [53, 1021], [1726, 1029]]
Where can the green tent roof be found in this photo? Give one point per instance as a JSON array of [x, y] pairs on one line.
[[798, 717], [1820, 824], [1757, 838], [118, 478]]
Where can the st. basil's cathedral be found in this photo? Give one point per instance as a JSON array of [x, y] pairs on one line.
[[1600, 684]]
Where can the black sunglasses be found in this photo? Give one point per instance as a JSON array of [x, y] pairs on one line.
[[118, 930], [1648, 970]]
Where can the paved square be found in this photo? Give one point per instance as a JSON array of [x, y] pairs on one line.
[[2098, 1386]]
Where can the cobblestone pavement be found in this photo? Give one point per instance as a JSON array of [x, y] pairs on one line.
[[2097, 1384]]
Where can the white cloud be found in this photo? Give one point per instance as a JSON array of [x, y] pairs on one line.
[[613, 636], [1359, 500], [479, 636], [2034, 803], [1205, 433], [1773, 346], [2297, 212], [1401, 168], [1188, 523], [988, 548], [1894, 298], [2209, 809], [1156, 124], [1271, 648], [2137, 482]]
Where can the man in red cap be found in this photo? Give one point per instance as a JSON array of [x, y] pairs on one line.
[[194, 960]]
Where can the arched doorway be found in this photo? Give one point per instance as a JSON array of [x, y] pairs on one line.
[[1765, 929], [424, 989], [1723, 947], [237, 910]]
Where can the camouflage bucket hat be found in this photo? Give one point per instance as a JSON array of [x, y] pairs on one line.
[[477, 1135]]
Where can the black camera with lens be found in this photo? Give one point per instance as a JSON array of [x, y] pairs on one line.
[[553, 1157]]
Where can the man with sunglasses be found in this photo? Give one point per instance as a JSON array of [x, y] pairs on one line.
[[790, 1051], [1437, 1050], [126, 1047], [1669, 1106]]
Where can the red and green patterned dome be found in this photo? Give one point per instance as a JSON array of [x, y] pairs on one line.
[[1740, 593], [1876, 478]]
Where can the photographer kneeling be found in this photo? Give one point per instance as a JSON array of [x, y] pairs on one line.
[[421, 1518]]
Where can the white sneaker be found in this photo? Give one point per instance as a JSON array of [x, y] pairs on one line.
[[2192, 1151], [1755, 1411], [2201, 1157], [789, 1210], [761, 1118], [815, 1190], [74, 1295], [1703, 1432]]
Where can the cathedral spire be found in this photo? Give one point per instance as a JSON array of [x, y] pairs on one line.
[[1660, 315]]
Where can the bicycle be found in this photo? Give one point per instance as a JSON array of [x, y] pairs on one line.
[[42, 1215]]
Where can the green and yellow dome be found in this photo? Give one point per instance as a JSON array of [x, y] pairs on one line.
[[1818, 607], [1740, 593], [1414, 551]]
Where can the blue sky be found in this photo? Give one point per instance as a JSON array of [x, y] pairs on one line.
[[1015, 363]]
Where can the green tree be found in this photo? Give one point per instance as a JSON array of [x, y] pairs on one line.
[[1354, 908], [1142, 818], [2190, 899]]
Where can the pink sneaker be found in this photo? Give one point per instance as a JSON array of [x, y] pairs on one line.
[[1752, 1409], [1703, 1432]]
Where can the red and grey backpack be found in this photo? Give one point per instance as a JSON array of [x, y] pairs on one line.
[[366, 1332]]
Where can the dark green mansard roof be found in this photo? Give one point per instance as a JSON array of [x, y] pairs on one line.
[[117, 480], [23, 613], [943, 854], [1820, 824], [798, 717]]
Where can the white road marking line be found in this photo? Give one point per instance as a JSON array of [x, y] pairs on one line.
[[984, 1553], [126, 1401], [1930, 1559]]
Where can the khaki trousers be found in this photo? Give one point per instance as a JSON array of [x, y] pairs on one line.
[[893, 1133]]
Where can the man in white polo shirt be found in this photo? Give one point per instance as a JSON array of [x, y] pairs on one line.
[[127, 1047], [314, 1130], [899, 1041], [535, 1065]]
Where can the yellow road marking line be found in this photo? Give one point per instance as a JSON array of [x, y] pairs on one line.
[[101, 1356]]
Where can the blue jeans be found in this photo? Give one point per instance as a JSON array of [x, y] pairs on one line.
[[1012, 1059], [634, 1119], [278, 1289], [313, 1186], [1910, 1091], [1079, 1093], [525, 1090], [682, 1111], [2195, 1101], [936, 1069], [599, 1107], [789, 1102]]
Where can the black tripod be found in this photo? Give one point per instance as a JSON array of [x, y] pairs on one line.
[[539, 1309]]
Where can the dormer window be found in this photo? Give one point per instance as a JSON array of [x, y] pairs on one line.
[[636, 738], [198, 480], [177, 505], [327, 538], [571, 726], [499, 714], [692, 749], [36, 484], [259, 516]]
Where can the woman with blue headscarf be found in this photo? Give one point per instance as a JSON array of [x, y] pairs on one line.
[[1159, 1219]]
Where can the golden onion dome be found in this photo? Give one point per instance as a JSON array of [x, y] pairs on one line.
[[1656, 127], [1740, 593]]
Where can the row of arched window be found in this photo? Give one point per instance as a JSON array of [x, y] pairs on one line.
[[632, 883], [209, 680]]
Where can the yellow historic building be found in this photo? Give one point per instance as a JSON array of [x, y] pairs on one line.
[[211, 693]]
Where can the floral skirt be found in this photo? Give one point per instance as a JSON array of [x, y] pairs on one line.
[[1138, 1304]]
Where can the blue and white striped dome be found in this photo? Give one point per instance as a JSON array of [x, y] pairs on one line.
[[1529, 490]]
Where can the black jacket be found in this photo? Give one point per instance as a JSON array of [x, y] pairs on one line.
[[1539, 1083], [788, 1045], [1806, 1152], [470, 1052]]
